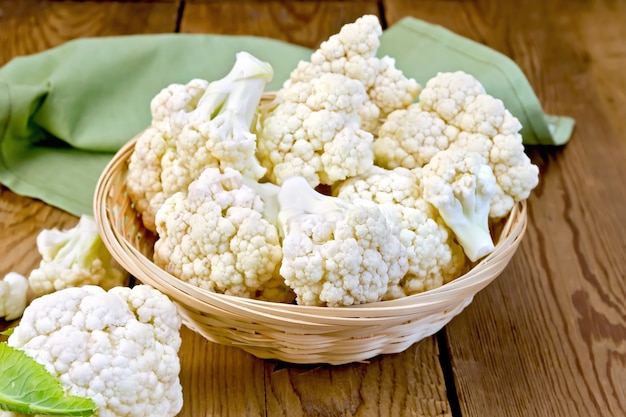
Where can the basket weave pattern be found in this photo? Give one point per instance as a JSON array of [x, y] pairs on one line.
[[292, 333]]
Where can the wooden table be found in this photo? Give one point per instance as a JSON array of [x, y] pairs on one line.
[[547, 338]]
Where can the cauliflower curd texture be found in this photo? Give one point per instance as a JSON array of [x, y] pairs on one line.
[[352, 185], [119, 348]]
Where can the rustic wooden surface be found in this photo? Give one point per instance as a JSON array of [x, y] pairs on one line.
[[547, 338]]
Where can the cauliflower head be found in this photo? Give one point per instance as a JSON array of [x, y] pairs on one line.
[[193, 127], [313, 130], [170, 109], [460, 184], [72, 258], [455, 111], [434, 258], [336, 252], [119, 348], [410, 137], [352, 52], [216, 236]]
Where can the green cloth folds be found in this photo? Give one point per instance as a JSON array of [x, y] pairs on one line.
[[65, 111]]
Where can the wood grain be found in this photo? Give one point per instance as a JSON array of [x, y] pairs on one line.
[[305, 23], [29, 26], [406, 384], [547, 338]]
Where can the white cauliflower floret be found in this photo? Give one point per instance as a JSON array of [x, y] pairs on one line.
[[449, 93], [119, 348], [216, 236], [176, 102], [392, 90], [190, 132], [411, 137], [434, 258], [515, 175], [336, 252], [352, 52], [312, 130], [460, 184], [72, 258], [454, 111], [13, 296]]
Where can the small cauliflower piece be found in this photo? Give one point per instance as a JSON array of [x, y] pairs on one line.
[[352, 52], [170, 110], [72, 258], [449, 93], [460, 184], [336, 252], [411, 137], [313, 130], [515, 174], [216, 236], [434, 258], [173, 105], [13, 296], [119, 348], [193, 127], [455, 111]]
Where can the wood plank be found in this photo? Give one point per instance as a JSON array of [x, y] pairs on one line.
[[305, 23], [547, 337], [219, 380], [406, 384], [29, 26]]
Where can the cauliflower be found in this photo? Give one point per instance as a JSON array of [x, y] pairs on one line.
[[352, 52], [172, 107], [119, 348], [336, 252], [170, 110], [196, 126], [13, 296], [460, 184], [455, 111], [72, 258], [313, 130], [434, 258], [410, 137], [216, 236]]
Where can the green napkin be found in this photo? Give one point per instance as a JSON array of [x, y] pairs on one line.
[[65, 111]]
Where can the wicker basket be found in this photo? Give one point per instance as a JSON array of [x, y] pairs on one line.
[[292, 333]]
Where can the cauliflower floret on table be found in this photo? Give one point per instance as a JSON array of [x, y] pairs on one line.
[[434, 258], [313, 130], [336, 252], [119, 348], [219, 235], [13, 296], [72, 258], [454, 111], [194, 127], [352, 52]]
